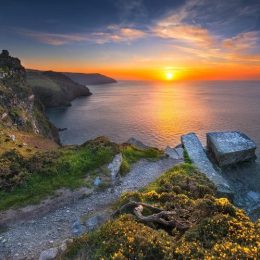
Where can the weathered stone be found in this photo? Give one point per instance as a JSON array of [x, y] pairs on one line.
[[115, 165], [138, 144], [95, 221], [230, 147], [49, 254], [174, 153], [198, 156], [77, 228]]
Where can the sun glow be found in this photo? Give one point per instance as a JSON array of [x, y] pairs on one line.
[[169, 75]]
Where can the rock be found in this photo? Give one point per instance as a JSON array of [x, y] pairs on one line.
[[138, 144], [77, 228], [198, 156], [230, 147], [171, 152], [180, 152], [97, 181], [4, 115], [12, 137], [115, 165], [48, 254], [95, 221]]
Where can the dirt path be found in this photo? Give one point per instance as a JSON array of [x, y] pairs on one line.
[[26, 239]]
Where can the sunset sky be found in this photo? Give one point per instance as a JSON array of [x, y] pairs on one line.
[[136, 39]]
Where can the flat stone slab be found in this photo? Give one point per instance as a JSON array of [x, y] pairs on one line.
[[198, 156], [230, 147]]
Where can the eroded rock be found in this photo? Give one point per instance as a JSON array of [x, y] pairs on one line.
[[230, 147], [115, 165], [198, 156]]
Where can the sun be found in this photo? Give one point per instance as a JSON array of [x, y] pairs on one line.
[[169, 75]]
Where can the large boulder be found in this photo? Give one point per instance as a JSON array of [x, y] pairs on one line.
[[197, 155], [230, 147]]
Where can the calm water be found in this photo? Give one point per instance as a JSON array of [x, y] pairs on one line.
[[159, 113]]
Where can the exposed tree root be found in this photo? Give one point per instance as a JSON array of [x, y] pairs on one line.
[[176, 218]]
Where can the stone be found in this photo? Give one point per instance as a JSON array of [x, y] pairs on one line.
[[97, 181], [197, 155], [95, 221], [138, 144], [49, 254], [171, 152], [180, 152], [230, 147], [115, 165], [77, 228]]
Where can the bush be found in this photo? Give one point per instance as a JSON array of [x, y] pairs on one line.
[[217, 229]]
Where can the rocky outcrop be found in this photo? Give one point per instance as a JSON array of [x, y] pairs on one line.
[[18, 108], [54, 88], [89, 78], [197, 155], [230, 147]]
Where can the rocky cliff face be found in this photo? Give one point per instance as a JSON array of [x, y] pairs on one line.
[[18, 108], [54, 88]]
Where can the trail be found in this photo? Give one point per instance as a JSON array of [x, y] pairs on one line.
[[26, 239]]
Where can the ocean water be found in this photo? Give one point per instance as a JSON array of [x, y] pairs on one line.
[[159, 113]]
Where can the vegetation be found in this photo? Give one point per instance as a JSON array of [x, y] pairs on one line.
[[201, 225], [132, 154], [27, 175]]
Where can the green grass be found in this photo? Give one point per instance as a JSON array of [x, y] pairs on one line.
[[37, 79], [39, 176], [132, 154], [29, 179]]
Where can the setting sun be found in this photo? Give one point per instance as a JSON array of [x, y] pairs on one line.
[[169, 75]]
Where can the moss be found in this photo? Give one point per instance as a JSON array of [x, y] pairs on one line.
[[131, 154], [218, 229]]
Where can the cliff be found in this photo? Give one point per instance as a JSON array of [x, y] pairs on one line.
[[19, 110], [54, 88], [90, 78]]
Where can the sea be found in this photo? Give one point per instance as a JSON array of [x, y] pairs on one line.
[[159, 113]]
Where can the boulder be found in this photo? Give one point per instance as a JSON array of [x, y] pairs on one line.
[[174, 153], [230, 147], [95, 221], [115, 165], [49, 254], [138, 144], [197, 155]]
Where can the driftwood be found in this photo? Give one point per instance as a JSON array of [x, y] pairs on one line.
[[169, 219]]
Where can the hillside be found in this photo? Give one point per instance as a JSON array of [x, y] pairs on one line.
[[90, 78], [54, 88], [19, 110]]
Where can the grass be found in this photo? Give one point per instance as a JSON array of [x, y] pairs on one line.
[[27, 176], [218, 230], [38, 80], [131, 154], [39, 176]]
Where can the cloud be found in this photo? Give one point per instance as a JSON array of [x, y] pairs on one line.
[[185, 32], [111, 34], [243, 41]]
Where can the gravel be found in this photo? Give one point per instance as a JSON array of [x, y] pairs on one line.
[[27, 239]]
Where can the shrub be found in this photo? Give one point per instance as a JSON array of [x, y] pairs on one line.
[[216, 230]]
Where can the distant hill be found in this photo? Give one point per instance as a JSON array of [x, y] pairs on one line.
[[90, 78], [54, 88]]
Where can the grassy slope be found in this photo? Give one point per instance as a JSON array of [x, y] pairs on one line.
[[219, 230], [30, 176], [37, 79]]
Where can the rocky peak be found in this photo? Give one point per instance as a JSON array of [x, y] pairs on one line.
[[11, 65]]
